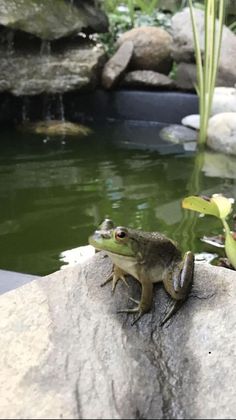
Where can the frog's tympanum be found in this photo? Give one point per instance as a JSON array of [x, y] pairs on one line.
[[149, 257]]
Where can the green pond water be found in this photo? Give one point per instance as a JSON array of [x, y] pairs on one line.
[[54, 192]]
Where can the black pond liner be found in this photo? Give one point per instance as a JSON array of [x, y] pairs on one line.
[[139, 113]]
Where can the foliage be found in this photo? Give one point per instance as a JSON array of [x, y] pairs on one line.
[[120, 22], [207, 67], [220, 207]]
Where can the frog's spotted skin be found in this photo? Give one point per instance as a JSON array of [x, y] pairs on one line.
[[149, 257]]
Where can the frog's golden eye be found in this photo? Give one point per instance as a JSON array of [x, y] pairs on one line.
[[121, 234]]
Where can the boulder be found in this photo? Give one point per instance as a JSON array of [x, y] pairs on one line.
[[116, 66], [224, 100], [192, 121], [66, 353], [152, 47], [186, 77], [183, 46], [50, 19], [147, 79], [221, 133], [74, 67]]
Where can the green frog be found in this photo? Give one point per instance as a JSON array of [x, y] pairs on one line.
[[149, 257]]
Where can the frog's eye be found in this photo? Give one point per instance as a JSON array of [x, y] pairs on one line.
[[121, 234]]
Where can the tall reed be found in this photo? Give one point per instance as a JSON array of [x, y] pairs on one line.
[[207, 66]]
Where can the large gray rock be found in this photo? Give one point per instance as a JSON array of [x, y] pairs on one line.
[[65, 353], [186, 77], [116, 66], [23, 73], [221, 133], [152, 48], [50, 19], [183, 45], [147, 79]]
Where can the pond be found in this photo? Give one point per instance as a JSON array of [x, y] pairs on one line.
[[54, 192]]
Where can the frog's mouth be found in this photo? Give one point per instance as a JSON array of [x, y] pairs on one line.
[[104, 240]]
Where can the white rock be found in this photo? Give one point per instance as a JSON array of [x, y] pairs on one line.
[[192, 121], [224, 100], [221, 133]]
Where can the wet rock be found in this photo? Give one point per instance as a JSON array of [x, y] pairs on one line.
[[116, 66], [192, 121], [147, 79], [221, 133], [186, 77], [224, 100], [52, 19], [56, 128], [63, 345], [75, 67], [183, 49], [152, 48], [178, 134]]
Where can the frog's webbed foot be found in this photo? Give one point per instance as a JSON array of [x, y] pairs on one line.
[[173, 307], [137, 310], [116, 275], [143, 306]]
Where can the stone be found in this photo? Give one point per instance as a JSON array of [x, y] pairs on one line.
[[66, 353], [224, 100], [51, 20], [221, 133], [152, 47], [116, 66], [176, 133], [183, 45], [75, 67], [55, 128], [192, 121], [186, 77], [147, 79]]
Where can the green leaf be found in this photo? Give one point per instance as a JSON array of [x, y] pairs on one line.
[[224, 205], [201, 205], [230, 249]]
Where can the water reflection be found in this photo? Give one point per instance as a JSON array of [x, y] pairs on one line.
[[52, 198]]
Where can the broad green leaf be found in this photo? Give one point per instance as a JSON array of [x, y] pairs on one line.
[[230, 249], [201, 205], [224, 205]]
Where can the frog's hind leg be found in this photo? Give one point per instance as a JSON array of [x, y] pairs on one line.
[[145, 303], [179, 284]]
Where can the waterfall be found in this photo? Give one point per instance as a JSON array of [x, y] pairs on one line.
[[10, 42], [45, 48], [25, 110], [61, 108]]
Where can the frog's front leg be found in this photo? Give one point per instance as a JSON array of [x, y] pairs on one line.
[[145, 303], [179, 284], [116, 275]]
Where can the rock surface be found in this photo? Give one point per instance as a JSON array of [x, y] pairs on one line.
[[52, 19], [147, 79], [221, 133], [224, 100], [152, 47], [183, 49], [116, 66], [65, 353], [78, 67], [177, 133], [192, 121]]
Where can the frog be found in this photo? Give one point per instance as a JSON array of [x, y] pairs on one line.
[[149, 257]]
